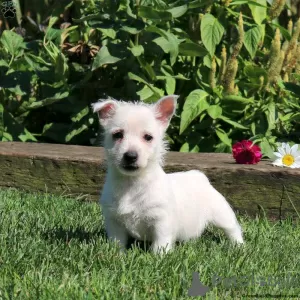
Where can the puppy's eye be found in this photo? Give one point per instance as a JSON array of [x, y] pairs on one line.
[[118, 135], [148, 137]]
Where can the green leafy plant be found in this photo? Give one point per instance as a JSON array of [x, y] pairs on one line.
[[233, 64]]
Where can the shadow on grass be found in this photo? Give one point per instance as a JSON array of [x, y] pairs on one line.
[[210, 235], [145, 245], [78, 233], [82, 235]]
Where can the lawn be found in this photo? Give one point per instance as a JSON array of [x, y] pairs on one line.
[[55, 248]]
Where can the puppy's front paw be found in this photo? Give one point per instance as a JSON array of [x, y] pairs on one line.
[[240, 242], [161, 248]]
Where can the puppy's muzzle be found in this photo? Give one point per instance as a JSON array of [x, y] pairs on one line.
[[130, 160]]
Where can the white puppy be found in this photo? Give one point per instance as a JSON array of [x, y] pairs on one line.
[[139, 199]]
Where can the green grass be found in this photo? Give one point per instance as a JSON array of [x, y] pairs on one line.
[[55, 248]]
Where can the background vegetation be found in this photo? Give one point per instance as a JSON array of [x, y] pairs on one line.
[[235, 65]]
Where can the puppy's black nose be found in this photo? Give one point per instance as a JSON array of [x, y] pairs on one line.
[[130, 157]]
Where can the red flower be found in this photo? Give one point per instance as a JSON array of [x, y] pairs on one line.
[[245, 152]]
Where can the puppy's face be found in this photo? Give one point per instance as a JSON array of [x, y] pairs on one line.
[[134, 132]]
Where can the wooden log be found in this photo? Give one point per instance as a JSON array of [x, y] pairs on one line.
[[80, 171]]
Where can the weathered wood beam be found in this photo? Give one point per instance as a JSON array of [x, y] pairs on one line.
[[78, 170]]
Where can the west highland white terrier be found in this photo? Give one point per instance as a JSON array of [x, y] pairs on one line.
[[139, 199]]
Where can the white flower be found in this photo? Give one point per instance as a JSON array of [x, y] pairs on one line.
[[287, 156]]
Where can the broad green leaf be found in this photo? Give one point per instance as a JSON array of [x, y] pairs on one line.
[[223, 136], [75, 132], [1, 121], [191, 49], [132, 25], [137, 50], [11, 41], [186, 148], [259, 13], [292, 87], [137, 78], [150, 13], [195, 149], [194, 105], [252, 39], [261, 123], [96, 16], [16, 129], [61, 67], [199, 3], [109, 32], [56, 132], [271, 116], [125, 6], [283, 31], [174, 50], [251, 2], [207, 61], [131, 30], [170, 85], [179, 76], [48, 101], [103, 57], [262, 28], [3, 63], [169, 45], [286, 117], [52, 21], [145, 93], [7, 137], [295, 75], [266, 149], [253, 71], [163, 43], [214, 111], [53, 34], [233, 123], [77, 117], [158, 92], [222, 148], [17, 82], [26, 136], [295, 117], [211, 32], [178, 11]]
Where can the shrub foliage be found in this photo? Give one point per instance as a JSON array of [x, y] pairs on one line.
[[235, 65]]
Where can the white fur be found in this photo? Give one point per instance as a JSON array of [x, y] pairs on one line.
[[147, 203]]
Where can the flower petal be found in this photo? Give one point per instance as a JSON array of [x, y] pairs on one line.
[[278, 162], [294, 150], [283, 145], [288, 149], [281, 151], [296, 164], [278, 154]]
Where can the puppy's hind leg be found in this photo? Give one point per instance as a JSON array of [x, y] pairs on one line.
[[224, 218]]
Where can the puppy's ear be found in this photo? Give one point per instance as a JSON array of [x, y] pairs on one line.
[[165, 109], [105, 110]]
